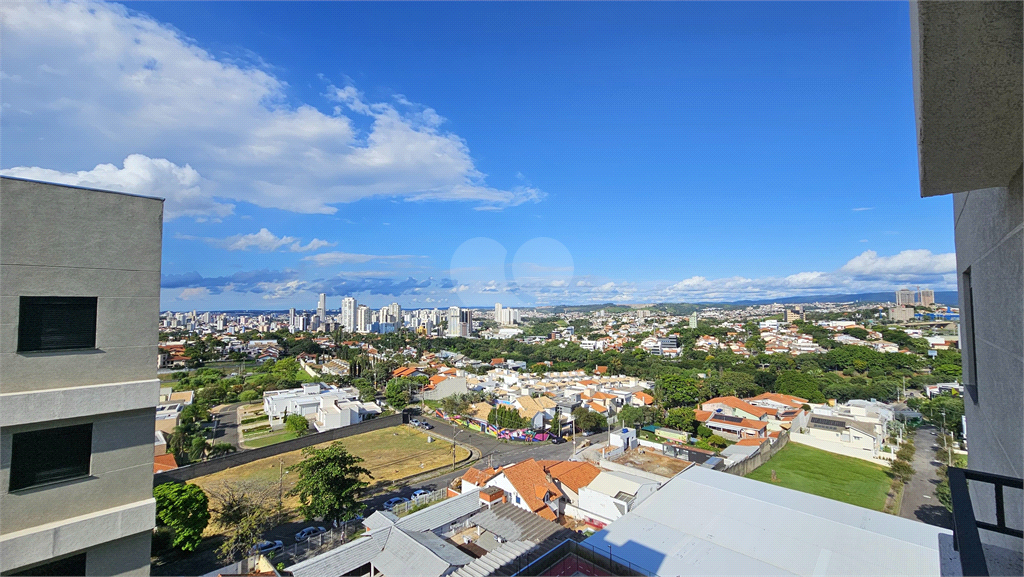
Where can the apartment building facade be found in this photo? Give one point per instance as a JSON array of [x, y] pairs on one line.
[[969, 101], [79, 302]]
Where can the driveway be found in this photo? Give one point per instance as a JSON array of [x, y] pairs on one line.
[[226, 417], [919, 500]]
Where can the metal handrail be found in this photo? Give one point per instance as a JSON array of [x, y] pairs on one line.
[[966, 539]]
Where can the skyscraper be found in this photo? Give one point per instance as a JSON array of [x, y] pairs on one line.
[[364, 318], [291, 318], [693, 320], [497, 313], [905, 297], [926, 297], [465, 322], [396, 314], [321, 307], [454, 317], [348, 314]]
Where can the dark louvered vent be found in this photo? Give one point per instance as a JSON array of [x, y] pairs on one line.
[[56, 323]]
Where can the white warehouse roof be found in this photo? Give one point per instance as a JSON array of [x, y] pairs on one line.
[[706, 522]]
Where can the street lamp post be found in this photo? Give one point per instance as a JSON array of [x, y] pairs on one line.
[[454, 444], [949, 448]]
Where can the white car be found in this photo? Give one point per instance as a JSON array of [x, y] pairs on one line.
[[264, 547], [419, 494], [308, 532]]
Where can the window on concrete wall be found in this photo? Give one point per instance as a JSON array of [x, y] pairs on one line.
[[73, 565], [56, 323], [967, 333], [50, 455]]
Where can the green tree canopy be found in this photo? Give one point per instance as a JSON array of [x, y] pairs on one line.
[[680, 419], [330, 483], [296, 424], [184, 508], [799, 385]]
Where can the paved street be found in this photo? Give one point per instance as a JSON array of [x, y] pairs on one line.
[[919, 500], [227, 424]]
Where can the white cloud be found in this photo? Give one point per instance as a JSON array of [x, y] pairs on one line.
[[180, 186], [191, 294], [263, 241], [109, 83], [862, 209], [334, 258], [868, 263]]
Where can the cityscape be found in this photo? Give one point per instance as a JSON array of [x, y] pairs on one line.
[[722, 352]]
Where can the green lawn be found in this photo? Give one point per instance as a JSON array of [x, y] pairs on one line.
[[270, 440], [828, 475]]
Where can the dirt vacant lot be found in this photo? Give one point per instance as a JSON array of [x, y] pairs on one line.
[[389, 454]]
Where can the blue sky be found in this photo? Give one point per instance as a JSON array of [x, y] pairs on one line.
[[468, 153]]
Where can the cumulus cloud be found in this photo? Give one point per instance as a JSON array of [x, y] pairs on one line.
[[180, 186], [336, 257], [107, 82], [198, 293], [921, 262], [263, 241]]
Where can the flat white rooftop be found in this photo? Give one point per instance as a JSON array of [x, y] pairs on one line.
[[705, 522]]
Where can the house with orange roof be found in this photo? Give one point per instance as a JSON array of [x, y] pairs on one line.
[[407, 372], [530, 487], [735, 407], [571, 476], [736, 428], [641, 399], [777, 401], [600, 369], [164, 462]]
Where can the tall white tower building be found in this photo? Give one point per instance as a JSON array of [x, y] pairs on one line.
[[453, 322], [348, 314]]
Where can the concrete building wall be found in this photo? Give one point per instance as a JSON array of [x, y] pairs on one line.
[[990, 249], [71, 242]]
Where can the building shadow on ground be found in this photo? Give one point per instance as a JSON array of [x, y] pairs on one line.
[[936, 515]]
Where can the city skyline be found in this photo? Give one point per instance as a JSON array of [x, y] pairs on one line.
[[561, 170]]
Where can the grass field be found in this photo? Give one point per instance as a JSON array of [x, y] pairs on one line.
[[818, 472], [269, 440], [389, 454]]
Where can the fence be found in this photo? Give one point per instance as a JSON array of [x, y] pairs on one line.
[[436, 495], [747, 466], [182, 474], [317, 544], [572, 558]]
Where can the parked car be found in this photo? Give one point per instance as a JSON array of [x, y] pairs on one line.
[[419, 494], [264, 547], [426, 425], [308, 532], [390, 504], [557, 440], [587, 433], [414, 422]]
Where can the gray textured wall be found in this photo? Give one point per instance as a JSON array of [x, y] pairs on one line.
[[60, 241], [990, 242]]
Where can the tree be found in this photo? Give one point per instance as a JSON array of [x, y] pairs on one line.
[[397, 394], [680, 419], [245, 510], [507, 418], [456, 404], [197, 450], [630, 416], [677, 391], [185, 509], [330, 482], [248, 395], [799, 385], [297, 424], [901, 470], [704, 432], [716, 441], [221, 449], [587, 420]]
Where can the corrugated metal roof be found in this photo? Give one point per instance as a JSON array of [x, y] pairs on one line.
[[404, 555], [442, 513], [705, 522], [348, 557], [514, 524], [486, 565]]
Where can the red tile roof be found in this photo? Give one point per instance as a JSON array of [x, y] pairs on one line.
[[702, 416], [573, 474], [736, 403], [531, 482], [600, 369], [163, 463]]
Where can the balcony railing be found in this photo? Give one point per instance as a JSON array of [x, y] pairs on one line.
[[966, 539]]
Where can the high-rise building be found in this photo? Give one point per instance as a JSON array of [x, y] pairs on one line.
[[291, 318], [454, 318], [465, 322], [348, 314], [693, 320], [905, 297], [926, 297], [78, 383], [396, 314], [364, 318], [497, 313], [796, 313], [321, 307]]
